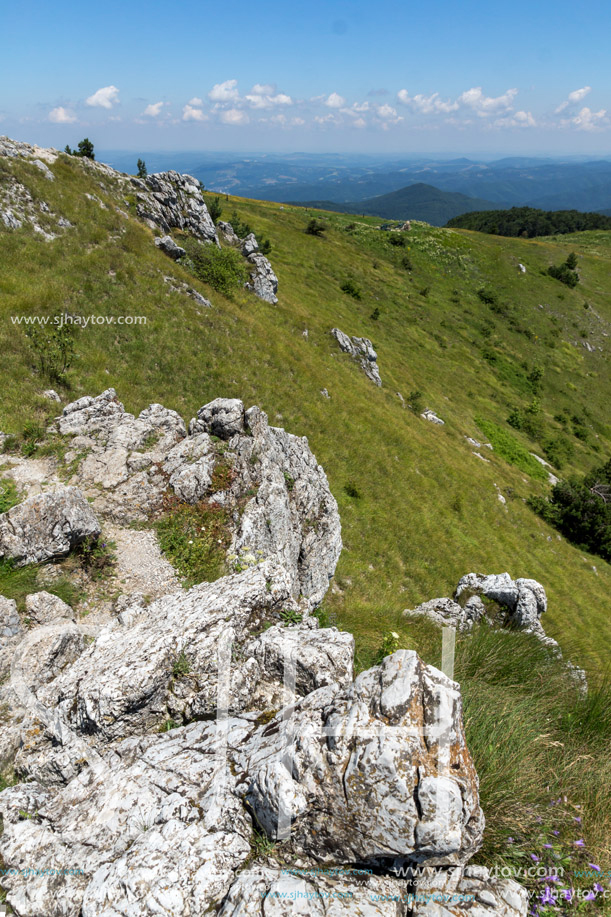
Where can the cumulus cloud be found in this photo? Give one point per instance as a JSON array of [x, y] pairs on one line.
[[426, 105], [61, 115], [224, 92], [486, 105], [386, 112], [517, 119], [104, 98], [574, 98], [265, 96], [197, 102], [587, 120], [234, 116], [153, 110], [192, 113], [335, 101]]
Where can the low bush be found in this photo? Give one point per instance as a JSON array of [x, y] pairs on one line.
[[509, 448], [222, 268]]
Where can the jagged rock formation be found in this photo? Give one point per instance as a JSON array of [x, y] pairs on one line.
[[276, 731], [362, 350], [432, 417], [263, 282], [46, 527], [169, 200]]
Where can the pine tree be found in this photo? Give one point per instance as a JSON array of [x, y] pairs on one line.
[[142, 172]]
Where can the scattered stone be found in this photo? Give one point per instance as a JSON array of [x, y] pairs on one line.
[[44, 168], [228, 233], [47, 526], [223, 417], [170, 248], [325, 393], [521, 268], [432, 416], [178, 286], [52, 395], [263, 282], [360, 349], [447, 612], [480, 456]]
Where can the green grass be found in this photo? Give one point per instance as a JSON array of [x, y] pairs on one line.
[[9, 495], [418, 509], [18, 582], [511, 449], [195, 539]]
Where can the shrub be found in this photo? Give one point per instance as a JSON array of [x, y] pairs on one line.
[[240, 228], [215, 209], [142, 170], [97, 557], [351, 289], [352, 491], [406, 262], [558, 450], [265, 247], [488, 297], [415, 401], [580, 508], [396, 239], [84, 149], [222, 268], [53, 346], [375, 314], [565, 272], [315, 228]]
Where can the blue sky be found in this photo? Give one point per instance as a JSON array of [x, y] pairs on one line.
[[340, 75]]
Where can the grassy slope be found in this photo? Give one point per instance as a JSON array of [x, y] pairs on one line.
[[428, 510]]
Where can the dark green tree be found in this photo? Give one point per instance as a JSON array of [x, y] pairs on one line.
[[571, 261], [85, 149], [214, 209], [142, 172]]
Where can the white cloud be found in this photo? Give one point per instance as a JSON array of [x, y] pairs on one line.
[[61, 115], [266, 97], [426, 105], [486, 105], [386, 112], [360, 122], [224, 92], [517, 119], [573, 98], [153, 110], [335, 101], [104, 98], [191, 113], [587, 120], [298, 122], [234, 116], [196, 102]]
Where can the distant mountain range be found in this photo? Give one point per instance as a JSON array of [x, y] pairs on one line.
[[415, 202], [546, 183]]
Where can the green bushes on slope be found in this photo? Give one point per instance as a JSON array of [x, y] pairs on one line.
[[529, 222]]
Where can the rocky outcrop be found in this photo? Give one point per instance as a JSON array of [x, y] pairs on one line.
[[360, 349], [263, 282], [447, 612], [169, 200], [376, 772], [249, 245], [47, 527], [178, 286], [432, 417], [169, 247]]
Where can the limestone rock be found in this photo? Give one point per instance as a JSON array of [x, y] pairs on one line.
[[469, 890], [265, 892], [170, 248], [170, 200], [362, 350], [45, 608], [447, 612], [250, 245], [51, 395], [223, 417], [10, 633], [378, 772], [432, 417], [263, 282], [228, 233], [47, 526]]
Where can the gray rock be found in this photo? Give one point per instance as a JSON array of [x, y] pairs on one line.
[[524, 599], [228, 233], [362, 350], [10, 633], [170, 248], [223, 417], [173, 201], [469, 890], [263, 282], [250, 245], [46, 608], [265, 892], [47, 526], [432, 417], [392, 779], [44, 168], [10, 220], [51, 395], [447, 612]]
